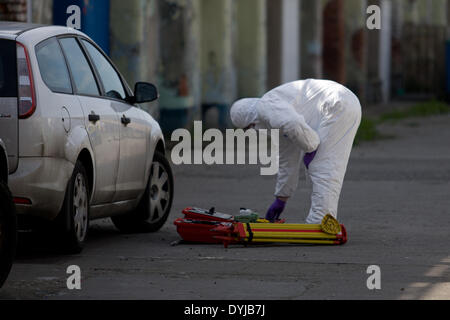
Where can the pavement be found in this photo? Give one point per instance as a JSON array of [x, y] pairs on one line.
[[395, 204]]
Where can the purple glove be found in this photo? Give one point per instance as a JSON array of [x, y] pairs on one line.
[[309, 157], [275, 210]]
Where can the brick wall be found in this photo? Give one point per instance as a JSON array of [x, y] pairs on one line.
[[13, 10]]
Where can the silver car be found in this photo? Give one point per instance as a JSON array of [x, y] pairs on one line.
[[79, 146]]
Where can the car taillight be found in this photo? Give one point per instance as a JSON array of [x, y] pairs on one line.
[[27, 99], [18, 200]]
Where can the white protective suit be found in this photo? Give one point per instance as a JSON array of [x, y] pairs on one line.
[[311, 115]]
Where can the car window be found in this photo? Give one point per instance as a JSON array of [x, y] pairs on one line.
[[108, 75], [81, 71], [53, 67], [8, 73]]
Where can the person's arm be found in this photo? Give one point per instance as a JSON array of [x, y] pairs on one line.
[[281, 115], [294, 126], [290, 155], [288, 176]]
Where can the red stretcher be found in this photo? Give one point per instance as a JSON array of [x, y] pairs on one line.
[[200, 231]]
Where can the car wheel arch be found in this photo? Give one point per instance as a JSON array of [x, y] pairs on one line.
[[86, 159], [78, 147], [3, 166], [160, 146]]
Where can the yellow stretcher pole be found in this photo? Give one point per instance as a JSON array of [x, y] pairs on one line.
[[329, 232], [257, 231], [288, 235], [286, 226], [296, 241]]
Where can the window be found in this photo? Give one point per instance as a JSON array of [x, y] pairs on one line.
[[8, 72], [81, 71], [108, 75], [53, 67]]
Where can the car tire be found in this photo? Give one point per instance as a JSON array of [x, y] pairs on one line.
[[73, 221], [8, 232], [156, 203]]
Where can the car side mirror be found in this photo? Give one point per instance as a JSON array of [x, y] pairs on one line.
[[145, 92]]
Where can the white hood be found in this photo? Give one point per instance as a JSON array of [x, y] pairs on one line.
[[244, 112]]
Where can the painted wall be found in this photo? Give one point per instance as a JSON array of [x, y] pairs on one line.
[[274, 43], [134, 41], [219, 83], [95, 18], [42, 12], [290, 41], [334, 44], [311, 39], [425, 11], [179, 42], [251, 53], [355, 45]]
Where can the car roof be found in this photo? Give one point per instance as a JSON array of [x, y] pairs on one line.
[[9, 28], [33, 33]]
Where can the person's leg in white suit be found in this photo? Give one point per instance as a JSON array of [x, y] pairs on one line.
[[327, 170]]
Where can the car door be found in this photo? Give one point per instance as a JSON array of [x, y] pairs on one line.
[[134, 130], [8, 101], [101, 121]]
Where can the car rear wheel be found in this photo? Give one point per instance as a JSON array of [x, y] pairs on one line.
[[75, 213], [156, 203], [8, 232]]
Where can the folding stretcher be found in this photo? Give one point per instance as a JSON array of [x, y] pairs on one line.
[[222, 228]]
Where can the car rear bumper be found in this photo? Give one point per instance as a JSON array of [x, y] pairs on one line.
[[43, 182]]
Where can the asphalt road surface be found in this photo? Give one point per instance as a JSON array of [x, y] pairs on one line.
[[395, 205]]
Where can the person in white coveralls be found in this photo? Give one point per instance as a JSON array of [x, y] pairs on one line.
[[318, 121]]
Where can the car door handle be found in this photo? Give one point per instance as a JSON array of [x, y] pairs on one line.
[[94, 117], [125, 121]]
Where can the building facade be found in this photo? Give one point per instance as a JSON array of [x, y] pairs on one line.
[[205, 54]]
